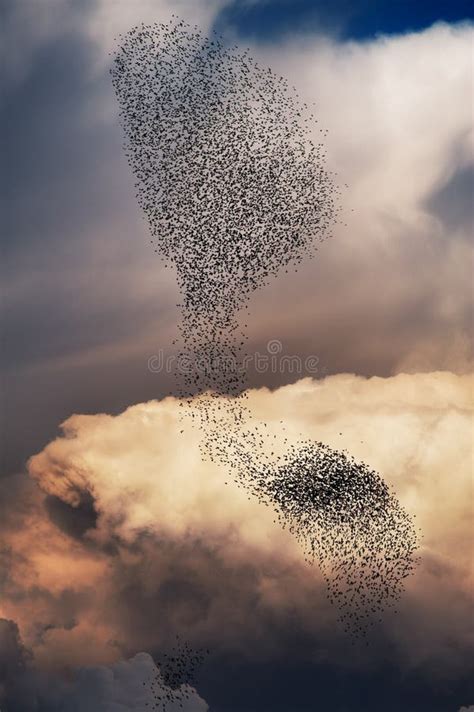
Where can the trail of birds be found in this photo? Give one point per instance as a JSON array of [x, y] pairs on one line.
[[235, 191]]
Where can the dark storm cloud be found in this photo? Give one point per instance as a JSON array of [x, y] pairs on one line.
[[231, 682], [292, 683], [266, 660], [61, 163], [19, 684], [263, 658], [13, 655], [70, 270], [75, 521], [271, 660]]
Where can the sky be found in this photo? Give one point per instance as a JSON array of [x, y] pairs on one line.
[[112, 535]]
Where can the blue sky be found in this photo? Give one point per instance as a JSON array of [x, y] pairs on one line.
[[363, 19]]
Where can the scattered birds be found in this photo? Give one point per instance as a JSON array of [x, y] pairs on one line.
[[172, 685]]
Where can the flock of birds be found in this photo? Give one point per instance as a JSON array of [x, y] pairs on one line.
[[344, 515], [235, 190], [231, 184]]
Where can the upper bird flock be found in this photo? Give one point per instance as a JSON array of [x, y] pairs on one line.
[[235, 190], [228, 178]]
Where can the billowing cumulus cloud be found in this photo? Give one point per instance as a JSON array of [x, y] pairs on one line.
[[165, 545], [142, 479]]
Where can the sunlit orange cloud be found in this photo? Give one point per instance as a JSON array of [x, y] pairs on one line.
[[162, 509]]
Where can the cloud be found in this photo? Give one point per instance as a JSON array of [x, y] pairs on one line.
[[376, 275], [147, 487], [13, 655], [173, 493], [28, 28], [126, 685], [139, 539], [130, 536], [88, 301], [123, 686]]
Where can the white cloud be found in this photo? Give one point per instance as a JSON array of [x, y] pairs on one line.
[[396, 109], [394, 283]]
